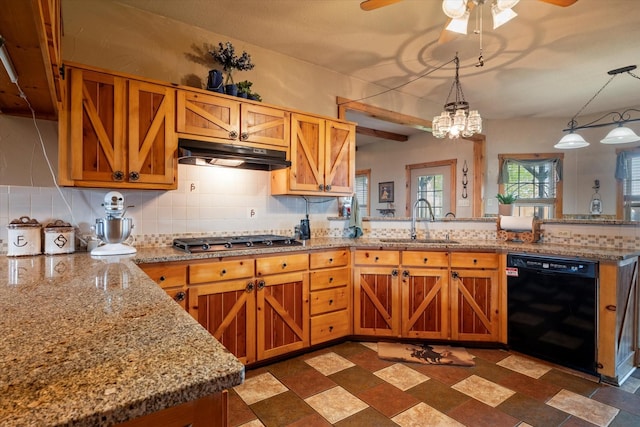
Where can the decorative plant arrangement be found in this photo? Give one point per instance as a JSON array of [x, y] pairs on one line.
[[244, 91], [506, 199], [225, 55]]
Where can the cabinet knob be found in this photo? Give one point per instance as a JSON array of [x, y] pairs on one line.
[[134, 176], [180, 296], [377, 259], [321, 187], [405, 273], [328, 187], [233, 134], [261, 284], [284, 265], [475, 261], [244, 136], [330, 328], [455, 275], [250, 287], [117, 176], [330, 302], [394, 273], [162, 278], [425, 259], [330, 260], [223, 272], [330, 279]]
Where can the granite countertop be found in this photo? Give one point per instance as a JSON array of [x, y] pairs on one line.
[[94, 342], [163, 254]]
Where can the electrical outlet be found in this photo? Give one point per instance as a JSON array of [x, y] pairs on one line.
[[564, 233], [193, 186], [252, 213], [464, 202]]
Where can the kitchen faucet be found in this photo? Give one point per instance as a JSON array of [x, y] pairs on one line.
[[414, 235]]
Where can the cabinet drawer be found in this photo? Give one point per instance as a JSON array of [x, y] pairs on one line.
[[329, 300], [220, 270], [166, 274], [281, 264], [425, 259], [474, 260], [330, 326], [336, 258], [330, 278], [375, 257]]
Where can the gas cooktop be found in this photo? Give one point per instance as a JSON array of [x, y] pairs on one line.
[[208, 244]]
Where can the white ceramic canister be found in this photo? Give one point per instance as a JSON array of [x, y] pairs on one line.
[[25, 237], [59, 238]]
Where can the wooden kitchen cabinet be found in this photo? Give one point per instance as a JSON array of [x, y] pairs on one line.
[[117, 132], [376, 293], [228, 120], [322, 158], [172, 278], [330, 295]]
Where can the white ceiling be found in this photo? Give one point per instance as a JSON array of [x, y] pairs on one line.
[[547, 62]]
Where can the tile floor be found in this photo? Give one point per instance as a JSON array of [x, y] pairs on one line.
[[348, 385]]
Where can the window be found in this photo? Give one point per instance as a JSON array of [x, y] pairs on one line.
[[628, 175], [536, 180], [431, 188], [434, 182], [362, 190]]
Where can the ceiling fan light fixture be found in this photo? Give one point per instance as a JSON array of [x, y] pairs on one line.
[[506, 4], [454, 8], [501, 16], [570, 141], [459, 25], [620, 135]]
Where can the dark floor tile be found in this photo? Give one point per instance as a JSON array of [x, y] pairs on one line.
[[539, 390], [313, 420], [254, 372], [577, 422], [288, 367], [475, 413], [449, 375], [492, 355], [369, 360], [366, 418], [571, 382], [438, 395], [625, 419], [282, 409], [387, 399], [356, 379], [307, 383], [618, 398], [532, 411], [349, 348], [239, 412], [490, 371]]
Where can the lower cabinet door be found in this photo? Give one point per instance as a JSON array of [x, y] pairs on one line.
[[376, 301], [474, 305], [425, 302], [283, 313], [228, 311]]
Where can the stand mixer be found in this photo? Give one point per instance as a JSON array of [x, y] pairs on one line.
[[115, 228]]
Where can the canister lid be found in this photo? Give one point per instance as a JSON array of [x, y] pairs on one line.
[[24, 221], [57, 226]]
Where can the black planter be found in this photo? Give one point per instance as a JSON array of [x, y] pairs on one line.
[[214, 82], [231, 90]]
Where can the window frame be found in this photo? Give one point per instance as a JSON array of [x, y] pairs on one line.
[[451, 163], [634, 151], [558, 200], [367, 173]]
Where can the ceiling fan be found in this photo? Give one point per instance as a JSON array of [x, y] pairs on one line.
[[376, 4]]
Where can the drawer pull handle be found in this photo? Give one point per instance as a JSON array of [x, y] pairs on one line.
[[612, 307], [162, 278], [330, 302]]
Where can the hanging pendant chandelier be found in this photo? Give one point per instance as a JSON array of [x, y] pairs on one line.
[[456, 119]]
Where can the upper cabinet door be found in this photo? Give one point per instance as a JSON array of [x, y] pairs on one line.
[[152, 140], [307, 153], [208, 115], [98, 134], [265, 125], [340, 160]]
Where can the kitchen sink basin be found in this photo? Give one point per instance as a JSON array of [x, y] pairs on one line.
[[440, 241]]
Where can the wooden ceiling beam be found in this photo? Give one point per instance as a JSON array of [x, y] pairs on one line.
[[381, 134], [345, 105]]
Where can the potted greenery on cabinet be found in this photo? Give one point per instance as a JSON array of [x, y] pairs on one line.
[[225, 55]]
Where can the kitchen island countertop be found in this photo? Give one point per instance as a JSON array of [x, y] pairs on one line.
[[95, 342]]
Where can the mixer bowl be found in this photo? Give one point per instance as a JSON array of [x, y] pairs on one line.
[[113, 230]]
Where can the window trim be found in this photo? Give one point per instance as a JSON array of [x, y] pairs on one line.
[[620, 183], [367, 173], [452, 163], [557, 208]]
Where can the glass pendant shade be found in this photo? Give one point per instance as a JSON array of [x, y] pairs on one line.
[[501, 17], [454, 8], [474, 122], [459, 25], [620, 135], [570, 141], [506, 4]]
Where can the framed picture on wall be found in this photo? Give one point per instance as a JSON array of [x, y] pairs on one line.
[[385, 192]]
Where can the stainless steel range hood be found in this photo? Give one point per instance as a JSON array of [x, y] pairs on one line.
[[201, 153]]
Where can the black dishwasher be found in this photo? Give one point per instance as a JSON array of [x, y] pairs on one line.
[[552, 306]]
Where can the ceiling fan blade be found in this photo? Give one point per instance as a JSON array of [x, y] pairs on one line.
[[446, 35], [561, 3], [376, 4]]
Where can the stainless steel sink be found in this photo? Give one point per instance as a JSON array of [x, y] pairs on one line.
[[438, 241]]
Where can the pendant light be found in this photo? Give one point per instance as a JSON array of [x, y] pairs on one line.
[[619, 135]]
